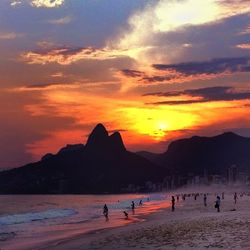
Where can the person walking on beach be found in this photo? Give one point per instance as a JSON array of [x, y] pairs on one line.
[[217, 203], [205, 200], [106, 211], [173, 203], [235, 198], [140, 203]]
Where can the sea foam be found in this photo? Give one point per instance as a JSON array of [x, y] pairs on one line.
[[35, 216]]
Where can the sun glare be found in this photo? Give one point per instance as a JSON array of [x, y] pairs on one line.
[[157, 122]]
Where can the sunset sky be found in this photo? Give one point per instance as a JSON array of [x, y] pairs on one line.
[[155, 70]]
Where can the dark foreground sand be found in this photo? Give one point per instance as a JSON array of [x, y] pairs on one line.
[[191, 226]]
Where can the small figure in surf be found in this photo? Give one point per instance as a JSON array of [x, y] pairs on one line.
[[235, 198], [184, 197], [126, 214], [217, 203], [133, 205], [205, 200], [140, 203], [173, 203], [106, 211], [177, 198], [222, 196], [195, 197]]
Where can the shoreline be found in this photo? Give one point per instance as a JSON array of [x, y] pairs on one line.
[[139, 218], [191, 226]]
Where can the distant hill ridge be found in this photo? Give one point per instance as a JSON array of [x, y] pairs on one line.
[[211, 154]]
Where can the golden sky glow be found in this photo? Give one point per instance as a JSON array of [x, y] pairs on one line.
[[155, 70]]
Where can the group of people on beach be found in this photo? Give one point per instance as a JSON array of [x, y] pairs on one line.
[[106, 211], [217, 204]]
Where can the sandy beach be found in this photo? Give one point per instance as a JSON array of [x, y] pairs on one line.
[[191, 226]]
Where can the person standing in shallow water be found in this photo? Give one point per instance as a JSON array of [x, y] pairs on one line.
[[205, 200], [217, 203], [173, 203], [133, 207], [235, 198], [106, 211]]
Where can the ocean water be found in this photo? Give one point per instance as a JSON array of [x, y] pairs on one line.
[[33, 221]]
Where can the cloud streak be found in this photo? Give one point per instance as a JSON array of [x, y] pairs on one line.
[[39, 3], [9, 35], [202, 95], [243, 46], [15, 3], [215, 66], [46, 3], [60, 21], [67, 55], [185, 72]]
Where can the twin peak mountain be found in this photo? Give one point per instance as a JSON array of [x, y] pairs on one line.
[[99, 139]]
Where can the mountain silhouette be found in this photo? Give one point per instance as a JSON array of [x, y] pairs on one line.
[[100, 142], [196, 155], [103, 165]]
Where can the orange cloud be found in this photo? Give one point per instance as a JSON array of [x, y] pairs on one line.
[[245, 31], [66, 56], [243, 46]]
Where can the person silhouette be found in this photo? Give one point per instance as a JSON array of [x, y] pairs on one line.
[[217, 203], [106, 211], [205, 200], [173, 203], [133, 207], [126, 214], [235, 198]]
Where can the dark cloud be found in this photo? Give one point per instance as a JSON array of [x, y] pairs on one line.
[[219, 93], [215, 66], [132, 73], [188, 71]]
